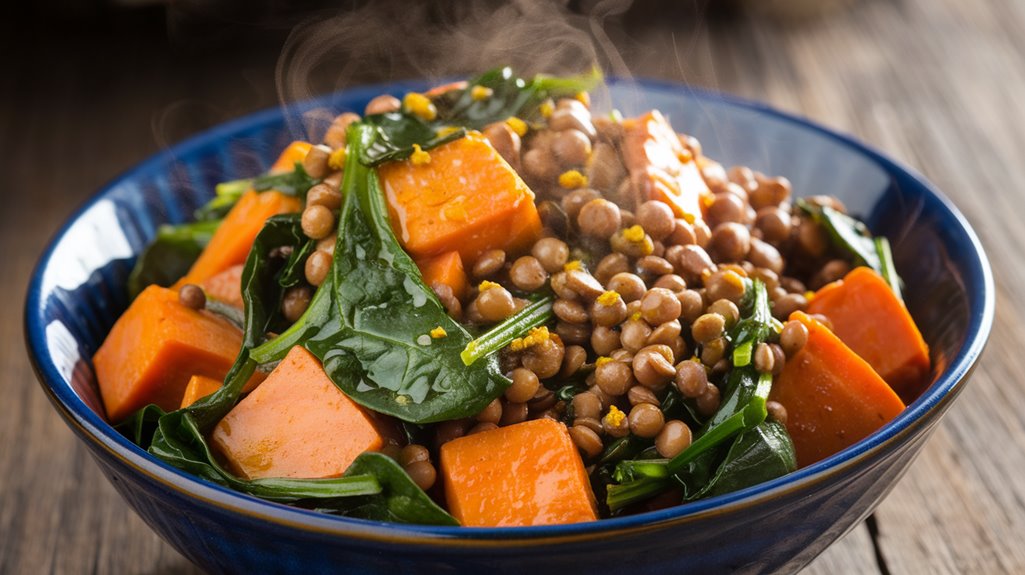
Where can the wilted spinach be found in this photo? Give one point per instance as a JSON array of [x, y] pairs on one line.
[[226, 194], [853, 237], [170, 255], [726, 444], [371, 322]]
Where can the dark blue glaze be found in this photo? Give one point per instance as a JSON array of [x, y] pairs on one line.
[[77, 292]]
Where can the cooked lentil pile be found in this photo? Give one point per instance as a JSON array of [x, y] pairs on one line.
[[641, 289]]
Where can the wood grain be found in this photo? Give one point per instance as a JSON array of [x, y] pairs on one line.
[[935, 83]]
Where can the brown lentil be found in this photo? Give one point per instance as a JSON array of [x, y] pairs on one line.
[[653, 366], [574, 333], [618, 427], [448, 430], [413, 453], [599, 218], [608, 310], [691, 378], [634, 334], [570, 311], [646, 420], [765, 255], [583, 284], [524, 385], [660, 305], [336, 132], [654, 266], [730, 241], [560, 287], [614, 377], [692, 262], [770, 192], [727, 309], [708, 402], [592, 423], [318, 265], [382, 104], [539, 165], [674, 437], [513, 413], [315, 161], [764, 359], [192, 296], [422, 473], [727, 207], [777, 412], [318, 222], [724, 284], [692, 305], [492, 412], [707, 328], [713, 351], [551, 253], [774, 224], [505, 141], [495, 304], [586, 405], [573, 201], [572, 148], [527, 273], [671, 282], [324, 195], [683, 233], [793, 337], [295, 302], [628, 285], [544, 359], [640, 394], [488, 263], [604, 340], [573, 359], [666, 334], [788, 304], [656, 218], [586, 440]]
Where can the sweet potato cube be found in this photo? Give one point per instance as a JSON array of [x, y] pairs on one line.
[[293, 153], [833, 397], [226, 286], [872, 321], [297, 423], [156, 347], [661, 168], [198, 388], [234, 238], [525, 474], [446, 269], [466, 199]]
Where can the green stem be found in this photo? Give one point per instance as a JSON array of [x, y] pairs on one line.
[[277, 348], [619, 496], [888, 269], [534, 315], [350, 486]]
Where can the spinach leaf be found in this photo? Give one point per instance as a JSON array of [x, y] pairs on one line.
[[226, 194], [139, 427], [510, 96], [170, 255], [756, 325], [762, 453], [854, 238], [395, 133], [400, 499], [370, 322]]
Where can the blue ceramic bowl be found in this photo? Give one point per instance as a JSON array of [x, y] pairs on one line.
[[78, 290]]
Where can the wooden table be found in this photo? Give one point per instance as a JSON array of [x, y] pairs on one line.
[[936, 83]]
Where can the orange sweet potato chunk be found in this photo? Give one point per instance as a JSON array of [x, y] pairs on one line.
[[294, 152], [872, 321], [524, 474], [235, 236], [661, 168], [226, 286], [198, 388], [466, 199], [297, 423], [445, 269], [156, 347], [833, 398]]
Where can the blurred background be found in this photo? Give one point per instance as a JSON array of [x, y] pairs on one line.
[[90, 87]]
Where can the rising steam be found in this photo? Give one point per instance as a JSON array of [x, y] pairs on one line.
[[396, 39]]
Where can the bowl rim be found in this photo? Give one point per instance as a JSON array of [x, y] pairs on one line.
[[92, 427]]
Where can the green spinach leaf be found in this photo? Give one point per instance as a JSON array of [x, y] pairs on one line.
[[762, 453], [170, 255], [393, 135], [400, 500]]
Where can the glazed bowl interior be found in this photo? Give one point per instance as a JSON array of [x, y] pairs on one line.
[[78, 290]]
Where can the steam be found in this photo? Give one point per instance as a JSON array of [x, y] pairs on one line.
[[396, 39]]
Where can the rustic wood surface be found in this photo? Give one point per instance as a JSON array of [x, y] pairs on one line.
[[935, 83]]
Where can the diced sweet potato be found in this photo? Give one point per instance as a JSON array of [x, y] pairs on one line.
[[872, 321], [661, 168], [297, 423], [466, 199], [156, 347], [226, 286], [525, 474], [234, 238], [293, 153], [833, 398], [198, 388], [445, 269]]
